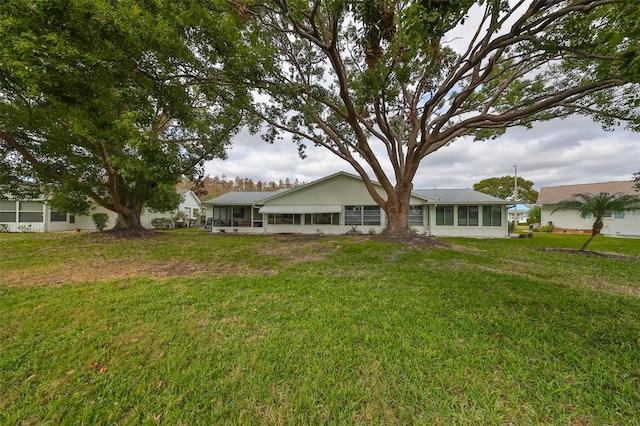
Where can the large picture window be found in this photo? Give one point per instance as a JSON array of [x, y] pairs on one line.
[[491, 216], [362, 215], [467, 215], [284, 219], [444, 215], [322, 219], [30, 211]]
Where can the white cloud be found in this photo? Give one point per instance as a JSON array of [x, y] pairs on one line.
[[559, 152]]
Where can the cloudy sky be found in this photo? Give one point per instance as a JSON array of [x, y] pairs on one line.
[[560, 152]]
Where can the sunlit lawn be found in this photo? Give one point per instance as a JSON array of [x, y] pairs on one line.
[[189, 328]]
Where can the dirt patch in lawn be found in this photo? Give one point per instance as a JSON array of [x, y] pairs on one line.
[[117, 269], [607, 255]]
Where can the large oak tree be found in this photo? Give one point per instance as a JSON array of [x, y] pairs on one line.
[[112, 102], [384, 83]]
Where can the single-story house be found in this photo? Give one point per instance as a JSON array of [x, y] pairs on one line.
[[522, 211], [38, 216], [340, 202], [621, 223]]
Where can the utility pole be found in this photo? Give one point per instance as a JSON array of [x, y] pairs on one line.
[[515, 197]]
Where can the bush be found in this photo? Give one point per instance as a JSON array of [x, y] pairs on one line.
[[161, 223], [353, 231], [100, 220]]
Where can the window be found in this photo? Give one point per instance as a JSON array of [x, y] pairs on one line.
[[30, 211], [467, 215], [415, 216], [618, 215], [491, 216], [362, 215], [58, 217], [371, 215], [284, 219], [7, 211], [444, 215], [353, 215], [322, 218]]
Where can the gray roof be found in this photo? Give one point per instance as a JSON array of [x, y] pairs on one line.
[[242, 198], [457, 196]]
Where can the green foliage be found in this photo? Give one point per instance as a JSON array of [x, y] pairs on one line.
[[100, 220], [161, 223], [180, 219], [114, 110], [535, 215], [163, 198], [503, 187], [545, 228]]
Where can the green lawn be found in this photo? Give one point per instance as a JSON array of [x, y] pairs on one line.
[[191, 328]]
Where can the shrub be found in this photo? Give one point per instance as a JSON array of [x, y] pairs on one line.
[[180, 219], [161, 223], [100, 220], [353, 231]]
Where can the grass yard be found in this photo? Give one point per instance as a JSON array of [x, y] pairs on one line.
[[190, 328]]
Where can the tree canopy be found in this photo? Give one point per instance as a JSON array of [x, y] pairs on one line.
[[504, 187], [599, 206], [384, 83], [112, 102]]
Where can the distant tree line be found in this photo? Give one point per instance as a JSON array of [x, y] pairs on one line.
[[207, 187]]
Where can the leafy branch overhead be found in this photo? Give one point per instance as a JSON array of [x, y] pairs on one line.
[[383, 84], [112, 101]]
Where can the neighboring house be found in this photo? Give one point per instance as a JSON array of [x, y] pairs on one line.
[[624, 224], [522, 211], [190, 204], [340, 202], [37, 216]]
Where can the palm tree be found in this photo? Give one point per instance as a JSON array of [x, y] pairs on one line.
[[599, 206]]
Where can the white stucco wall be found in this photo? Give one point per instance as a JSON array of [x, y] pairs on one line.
[[628, 226]]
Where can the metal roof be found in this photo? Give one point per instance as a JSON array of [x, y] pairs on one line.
[[243, 198], [457, 196]]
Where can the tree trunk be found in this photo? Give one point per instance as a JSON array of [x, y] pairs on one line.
[[595, 230], [128, 220], [397, 210]]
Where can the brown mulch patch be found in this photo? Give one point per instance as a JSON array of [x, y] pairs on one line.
[[607, 255], [413, 240]]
